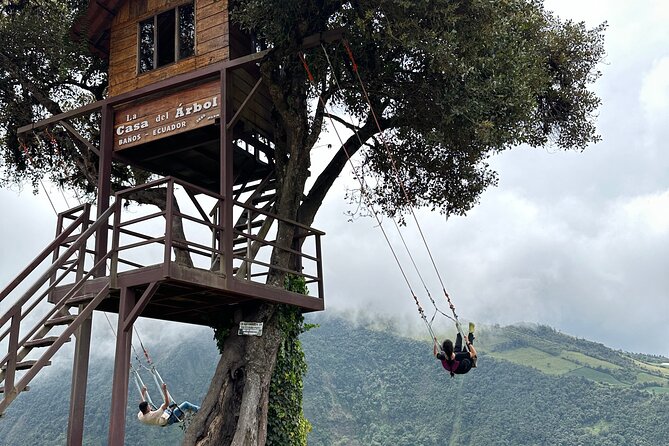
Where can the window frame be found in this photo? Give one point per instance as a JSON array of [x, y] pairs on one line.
[[177, 39]]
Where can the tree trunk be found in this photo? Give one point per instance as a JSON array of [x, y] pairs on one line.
[[234, 412]]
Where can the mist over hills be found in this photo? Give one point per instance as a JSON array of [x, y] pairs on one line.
[[368, 385]]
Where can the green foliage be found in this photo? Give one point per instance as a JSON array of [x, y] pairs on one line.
[[377, 388], [44, 71], [296, 284], [286, 425], [222, 325], [452, 82], [549, 351], [373, 387]]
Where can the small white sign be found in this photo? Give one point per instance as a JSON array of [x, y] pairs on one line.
[[250, 329]]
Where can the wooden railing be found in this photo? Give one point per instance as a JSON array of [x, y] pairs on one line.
[[18, 330], [183, 231]]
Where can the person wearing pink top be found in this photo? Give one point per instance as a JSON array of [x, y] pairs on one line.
[[453, 358]]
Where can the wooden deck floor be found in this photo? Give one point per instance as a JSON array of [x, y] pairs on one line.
[[189, 295]]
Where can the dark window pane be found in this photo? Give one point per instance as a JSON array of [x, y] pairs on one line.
[[186, 31], [166, 34], [146, 45]]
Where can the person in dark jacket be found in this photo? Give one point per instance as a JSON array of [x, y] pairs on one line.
[[453, 358]]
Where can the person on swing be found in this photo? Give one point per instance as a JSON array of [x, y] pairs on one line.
[[166, 414], [453, 359]]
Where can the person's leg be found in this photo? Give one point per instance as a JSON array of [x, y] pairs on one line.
[[171, 419], [458, 343], [188, 406], [470, 337]]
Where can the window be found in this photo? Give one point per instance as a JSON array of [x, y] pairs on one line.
[[166, 37]]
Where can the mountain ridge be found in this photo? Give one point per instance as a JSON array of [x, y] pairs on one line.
[[375, 386]]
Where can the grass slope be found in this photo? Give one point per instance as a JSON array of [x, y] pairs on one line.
[[554, 353], [368, 387]]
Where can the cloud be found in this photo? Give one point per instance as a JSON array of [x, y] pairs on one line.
[[596, 273], [654, 93]]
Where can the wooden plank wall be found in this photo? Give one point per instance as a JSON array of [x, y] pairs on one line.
[[211, 42]]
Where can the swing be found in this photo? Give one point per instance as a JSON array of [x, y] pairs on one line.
[[183, 417], [368, 201]]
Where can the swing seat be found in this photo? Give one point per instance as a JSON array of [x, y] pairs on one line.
[[177, 412]]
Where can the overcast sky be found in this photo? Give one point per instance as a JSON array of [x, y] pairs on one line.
[[578, 241]]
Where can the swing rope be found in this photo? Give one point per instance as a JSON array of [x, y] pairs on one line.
[[401, 185], [368, 202], [404, 192]]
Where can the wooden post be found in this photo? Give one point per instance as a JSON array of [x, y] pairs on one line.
[[75, 428], [119, 399], [104, 181], [226, 179]]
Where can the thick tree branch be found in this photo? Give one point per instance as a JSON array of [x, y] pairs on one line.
[[347, 124], [320, 114], [326, 179]]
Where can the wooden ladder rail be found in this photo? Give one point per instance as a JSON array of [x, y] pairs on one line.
[[8, 365], [11, 390], [46, 252]]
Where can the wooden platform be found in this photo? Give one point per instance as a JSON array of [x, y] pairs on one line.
[[189, 295]]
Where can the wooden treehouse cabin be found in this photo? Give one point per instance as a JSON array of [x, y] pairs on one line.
[[185, 103]]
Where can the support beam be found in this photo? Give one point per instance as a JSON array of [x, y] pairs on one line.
[[238, 115], [104, 182], [140, 305], [73, 132], [122, 357], [75, 426], [86, 109], [129, 310], [226, 178]]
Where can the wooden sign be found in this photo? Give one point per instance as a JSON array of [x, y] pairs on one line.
[[175, 113]]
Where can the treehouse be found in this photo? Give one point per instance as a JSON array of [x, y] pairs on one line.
[[186, 103]]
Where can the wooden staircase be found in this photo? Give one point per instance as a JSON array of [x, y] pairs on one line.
[[259, 199], [30, 345]]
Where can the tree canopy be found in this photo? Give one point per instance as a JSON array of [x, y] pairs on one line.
[[452, 83]]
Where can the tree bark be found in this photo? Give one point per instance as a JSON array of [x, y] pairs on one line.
[[234, 412]]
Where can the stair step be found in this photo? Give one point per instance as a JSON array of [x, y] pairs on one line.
[[81, 299], [44, 342], [264, 199], [239, 240], [25, 365], [63, 320], [245, 226], [271, 185], [239, 252], [27, 389]]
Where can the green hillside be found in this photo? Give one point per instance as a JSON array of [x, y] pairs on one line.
[[534, 386], [554, 353]]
